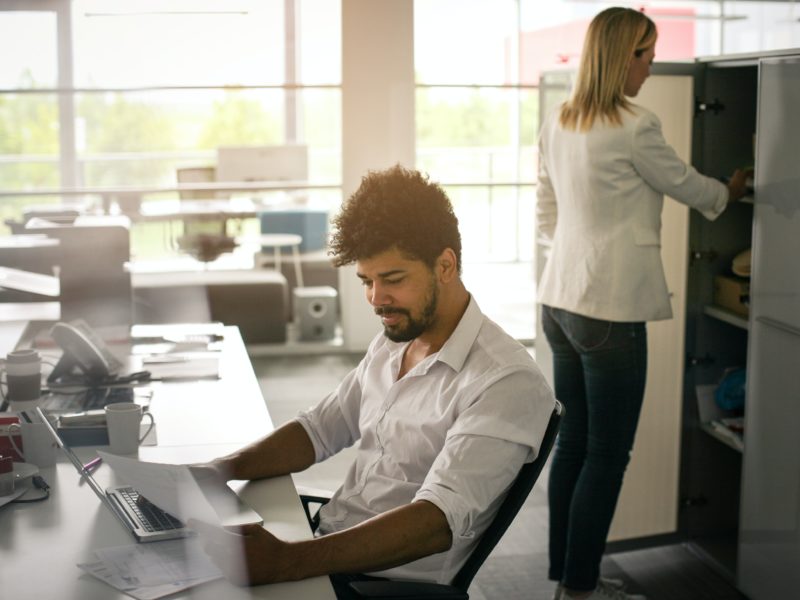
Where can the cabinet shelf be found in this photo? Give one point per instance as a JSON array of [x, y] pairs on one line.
[[726, 315], [725, 435]]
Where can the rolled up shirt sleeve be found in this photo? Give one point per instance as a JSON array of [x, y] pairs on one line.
[[470, 479], [484, 452], [332, 425]]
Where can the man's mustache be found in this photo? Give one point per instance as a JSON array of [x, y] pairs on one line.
[[388, 310]]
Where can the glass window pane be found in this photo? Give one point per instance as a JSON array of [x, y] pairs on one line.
[[28, 48], [760, 26], [28, 141], [322, 129], [141, 138], [477, 135], [474, 49], [178, 42], [496, 223], [320, 53]]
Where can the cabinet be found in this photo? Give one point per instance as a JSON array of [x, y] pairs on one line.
[[769, 526], [737, 506], [741, 507], [716, 339]]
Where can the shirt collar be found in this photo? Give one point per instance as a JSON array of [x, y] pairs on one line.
[[455, 350]]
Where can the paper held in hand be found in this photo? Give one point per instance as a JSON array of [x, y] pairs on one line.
[[172, 488]]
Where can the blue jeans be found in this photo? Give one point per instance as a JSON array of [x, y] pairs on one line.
[[599, 373]]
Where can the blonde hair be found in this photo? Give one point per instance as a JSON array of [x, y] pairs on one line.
[[614, 36]]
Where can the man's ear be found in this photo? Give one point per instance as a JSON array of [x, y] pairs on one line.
[[447, 265]]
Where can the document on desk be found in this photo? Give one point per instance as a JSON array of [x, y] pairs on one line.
[[183, 365], [150, 571], [172, 488]]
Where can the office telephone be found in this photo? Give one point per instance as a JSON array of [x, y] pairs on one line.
[[84, 351]]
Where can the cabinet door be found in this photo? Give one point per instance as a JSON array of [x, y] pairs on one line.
[[769, 529], [648, 503]]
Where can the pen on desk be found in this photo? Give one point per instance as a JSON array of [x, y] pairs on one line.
[[92, 464]]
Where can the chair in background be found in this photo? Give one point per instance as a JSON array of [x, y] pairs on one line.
[[204, 237], [457, 590]]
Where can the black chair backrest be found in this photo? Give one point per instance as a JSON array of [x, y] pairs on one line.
[[517, 495]]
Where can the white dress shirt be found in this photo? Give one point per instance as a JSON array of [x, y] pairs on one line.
[[599, 200], [454, 431]]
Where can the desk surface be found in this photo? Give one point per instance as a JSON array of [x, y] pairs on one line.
[[41, 543]]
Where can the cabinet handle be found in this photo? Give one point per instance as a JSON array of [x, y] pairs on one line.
[[779, 325]]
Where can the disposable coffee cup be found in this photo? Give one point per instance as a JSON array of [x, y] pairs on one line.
[[23, 375]]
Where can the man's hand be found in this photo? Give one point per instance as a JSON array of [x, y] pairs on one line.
[[247, 555], [250, 555], [214, 470], [287, 449]]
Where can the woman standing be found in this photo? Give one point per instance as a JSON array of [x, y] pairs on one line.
[[604, 170]]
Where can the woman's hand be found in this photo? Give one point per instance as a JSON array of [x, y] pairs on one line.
[[737, 185], [246, 555]]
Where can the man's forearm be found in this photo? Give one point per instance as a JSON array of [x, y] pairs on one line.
[[388, 540], [286, 450]]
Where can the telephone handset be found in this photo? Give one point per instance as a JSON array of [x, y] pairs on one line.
[[82, 350]]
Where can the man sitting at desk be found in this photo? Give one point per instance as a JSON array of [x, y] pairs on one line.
[[445, 408]]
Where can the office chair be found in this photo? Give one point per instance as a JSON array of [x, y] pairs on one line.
[[204, 238], [457, 590]]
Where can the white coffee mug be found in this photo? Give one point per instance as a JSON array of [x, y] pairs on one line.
[[122, 421], [38, 445]]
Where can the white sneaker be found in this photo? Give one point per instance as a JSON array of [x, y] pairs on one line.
[[612, 582], [608, 582], [605, 591]]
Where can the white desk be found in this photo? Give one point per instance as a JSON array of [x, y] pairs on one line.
[[41, 543]]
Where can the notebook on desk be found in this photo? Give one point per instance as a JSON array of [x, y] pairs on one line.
[[80, 413], [144, 520], [66, 401]]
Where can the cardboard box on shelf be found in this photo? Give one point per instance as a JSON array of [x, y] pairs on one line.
[[733, 294]]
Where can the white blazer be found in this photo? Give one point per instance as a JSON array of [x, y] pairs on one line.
[[599, 200]]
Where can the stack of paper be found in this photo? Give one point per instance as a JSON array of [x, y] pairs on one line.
[[149, 571]]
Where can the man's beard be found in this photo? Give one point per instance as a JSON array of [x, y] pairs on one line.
[[414, 327]]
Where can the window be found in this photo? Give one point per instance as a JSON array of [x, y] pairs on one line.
[[155, 85], [29, 142], [476, 121]]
